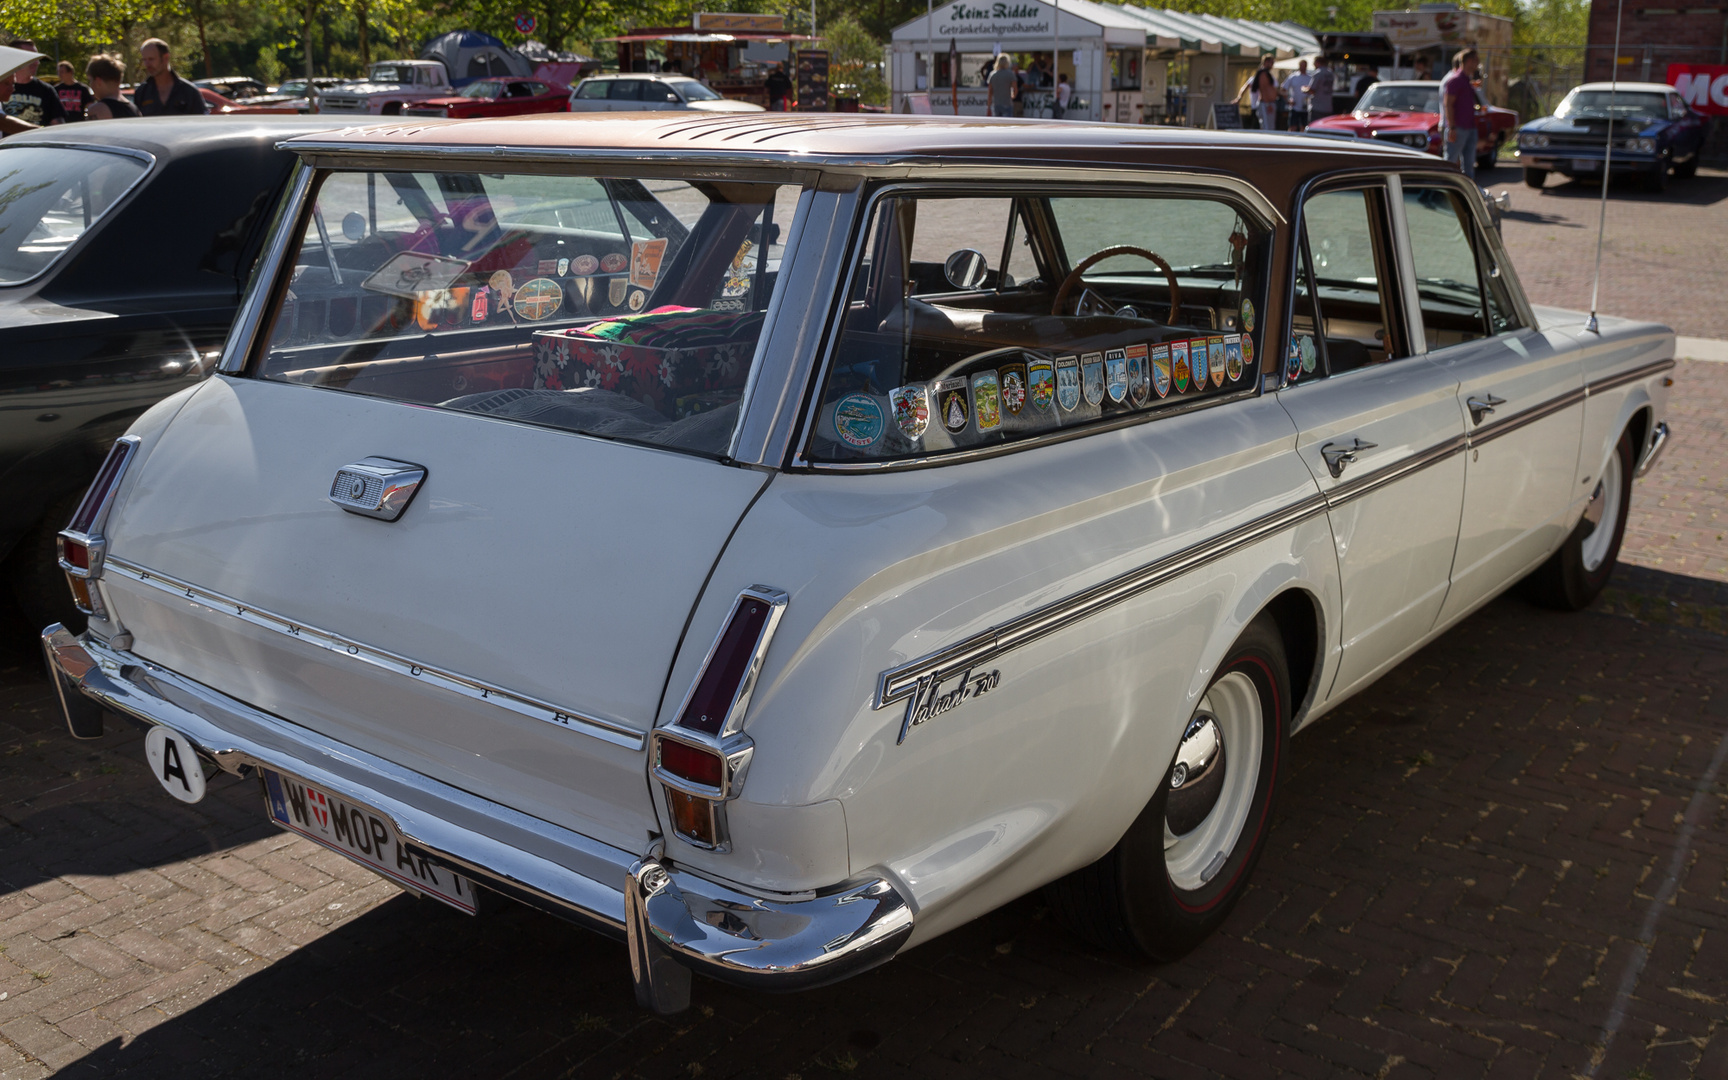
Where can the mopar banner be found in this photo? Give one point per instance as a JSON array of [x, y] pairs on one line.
[[1704, 86]]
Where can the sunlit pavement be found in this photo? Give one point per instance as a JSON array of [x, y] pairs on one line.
[[1506, 859]]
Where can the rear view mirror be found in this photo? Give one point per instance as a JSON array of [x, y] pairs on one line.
[[966, 269]]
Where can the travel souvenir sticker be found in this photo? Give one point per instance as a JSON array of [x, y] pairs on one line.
[[615, 290], [1197, 355], [1139, 379], [637, 299], [1092, 377], [584, 265], [1013, 388], [563, 267], [738, 274], [858, 421], [911, 407], [645, 257], [1161, 369], [1293, 362], [546, 267], [1116, 374], [1310, 355], [987, 400], [1179, 366], [1068, 382], [1215, 361], [953, 405], [482, 306], [613, 263], [1247, 316], [1233, 356], [538, 299], [501, 283], [1247, 351], [1041, 382], [410, 273]]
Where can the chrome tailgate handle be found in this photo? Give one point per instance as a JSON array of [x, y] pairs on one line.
[[1482, 406], [1338, 455]]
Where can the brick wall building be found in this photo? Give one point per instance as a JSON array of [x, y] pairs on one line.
[[1654, 34]]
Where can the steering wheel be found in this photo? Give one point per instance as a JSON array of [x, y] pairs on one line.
[[1096, 257]]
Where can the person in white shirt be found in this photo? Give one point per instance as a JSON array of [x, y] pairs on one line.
[[1063, 93], [1296, 89]]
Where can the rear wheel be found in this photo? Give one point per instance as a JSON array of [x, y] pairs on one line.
[[1183, 864], [1485, 162], [1577, 573], [1535, 177], [33, 571]]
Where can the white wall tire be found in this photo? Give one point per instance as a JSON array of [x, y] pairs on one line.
[[1575, 575]]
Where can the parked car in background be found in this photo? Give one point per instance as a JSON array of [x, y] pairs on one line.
[[233, 87], [290, 98], [780, 543], [213, 102], [104, 309], [1654, 130], [510, 96], [639, 92], [1408, 113], [389, 88]]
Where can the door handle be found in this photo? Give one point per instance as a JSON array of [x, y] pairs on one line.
[[1338, 455], [1482, 406]]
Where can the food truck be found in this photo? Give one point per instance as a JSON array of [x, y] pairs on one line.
[[733, 53]]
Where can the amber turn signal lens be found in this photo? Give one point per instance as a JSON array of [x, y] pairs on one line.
[[692, 818], [80, 593], [687, 762]]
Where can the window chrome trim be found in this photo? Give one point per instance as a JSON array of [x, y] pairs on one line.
[[1026, 181], [115, 207], [610, 731], [243, 335], [1405, 259]]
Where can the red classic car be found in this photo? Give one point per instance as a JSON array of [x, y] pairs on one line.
[[1409, 113], [511, 96]]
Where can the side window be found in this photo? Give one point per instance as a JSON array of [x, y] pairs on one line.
[[1344, 318], [1108, 306], [592, 90], [1447, 281], [624, 90]]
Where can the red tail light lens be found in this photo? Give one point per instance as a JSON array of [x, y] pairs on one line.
[[688, 763], [89, 513], [75, 554], [729, 662], [81, 544]]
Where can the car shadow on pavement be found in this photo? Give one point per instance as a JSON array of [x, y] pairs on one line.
[[1700, 190]]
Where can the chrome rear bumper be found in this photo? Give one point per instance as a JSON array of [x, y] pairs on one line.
[[1658, 443], [675, 922]]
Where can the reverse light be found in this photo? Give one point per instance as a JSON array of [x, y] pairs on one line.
[[701, 758], [81, 545]]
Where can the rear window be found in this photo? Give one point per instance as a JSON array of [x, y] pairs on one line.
[[49, 197], [622, 308]]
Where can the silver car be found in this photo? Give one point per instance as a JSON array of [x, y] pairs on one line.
[[630, 93]]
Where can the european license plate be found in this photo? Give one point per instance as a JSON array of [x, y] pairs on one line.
[[362, 834], [1585, 164]]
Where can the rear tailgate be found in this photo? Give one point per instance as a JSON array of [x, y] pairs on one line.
[[510, 634]]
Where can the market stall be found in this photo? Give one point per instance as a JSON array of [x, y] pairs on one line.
[[1197, 61], [732, 53]]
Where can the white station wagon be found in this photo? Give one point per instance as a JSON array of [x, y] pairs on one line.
[[776, 541]]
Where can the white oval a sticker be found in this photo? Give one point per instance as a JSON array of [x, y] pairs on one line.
[[175, 763]]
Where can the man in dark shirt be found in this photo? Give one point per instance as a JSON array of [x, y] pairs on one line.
[[33, 101], [75, 97], [779, 88], [10, 61], [163, 93]]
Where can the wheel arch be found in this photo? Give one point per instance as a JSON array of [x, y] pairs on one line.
[[1301, 622]]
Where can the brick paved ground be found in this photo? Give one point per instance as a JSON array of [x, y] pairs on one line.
[[1475, 862]]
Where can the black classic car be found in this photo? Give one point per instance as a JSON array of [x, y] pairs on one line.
[[1654, 130], [123, 251]]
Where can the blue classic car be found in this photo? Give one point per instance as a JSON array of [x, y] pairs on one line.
[[1654, 131]]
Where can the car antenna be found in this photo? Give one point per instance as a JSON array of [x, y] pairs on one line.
[[1607, 163]]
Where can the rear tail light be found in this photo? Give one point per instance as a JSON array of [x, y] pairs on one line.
[[702, 757], [81, 543]]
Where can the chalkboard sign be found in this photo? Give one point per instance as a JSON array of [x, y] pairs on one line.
[[1225, 115], [812, 80]]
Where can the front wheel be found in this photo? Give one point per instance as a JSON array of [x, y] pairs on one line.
[[1577, 573], [1183, 864], [1535, 177]]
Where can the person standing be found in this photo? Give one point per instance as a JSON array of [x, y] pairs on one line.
[[1458, 113], [163, 93], [74, 96], [11, 59], [1296, 88], [1262, 91], [105, 72], [1423, 69], [1365, 77], [779, 87], [1320, 90], [1002, 84], [33, 101], [1064, 93]]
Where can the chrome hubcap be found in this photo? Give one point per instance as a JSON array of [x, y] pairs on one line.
[[1212, 781], [1603, 514]]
